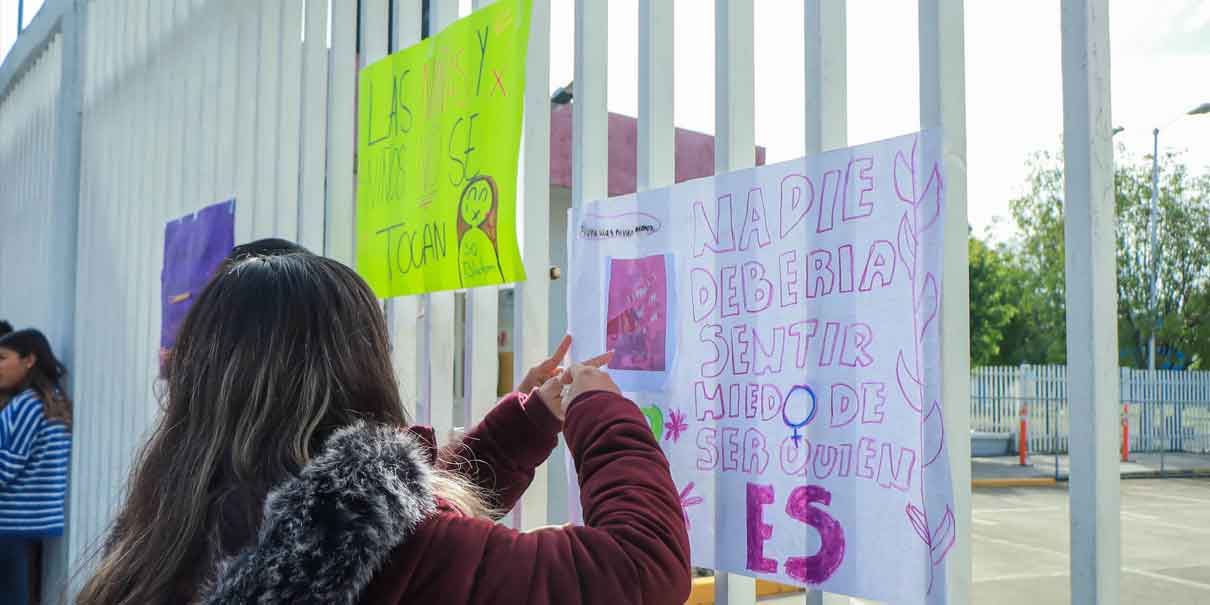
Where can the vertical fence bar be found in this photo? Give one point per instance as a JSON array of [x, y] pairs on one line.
[[825, 77], [79, 508], [1182, 399], [374, 29], [227, 45], [943, 105], [1035, 389], [268, 99], [85, 477], [1158, 379], [1091, 301], [1019, 400], [112, 196], [375, 42], [589, 125], [656, 130], [407, 20], [1203, 393], [244, 152], [1196, 409], [826, 98], [1144, 411], [1054, 406], [126, 249], [734, 149], [1039, 388], [1015, 383], [137, 209], [590, 121], [481, 363], [150, 224], [208, 57], [188, 71], [342, 129], [65, 198], [98, 382], [531, 308], [437, 321], [403, 312], [154, 78], [656, 135], [65, 193], [314, 134], [289, 102], [1063, 419], [590, 117], [1063, 409]]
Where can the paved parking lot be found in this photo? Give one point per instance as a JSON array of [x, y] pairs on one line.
[[1020, 544]]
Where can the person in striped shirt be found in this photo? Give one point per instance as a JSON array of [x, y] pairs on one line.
[[5, 329], [35, 445]]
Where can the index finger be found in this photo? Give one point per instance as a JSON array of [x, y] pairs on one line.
[[599, 360], [562, 349]]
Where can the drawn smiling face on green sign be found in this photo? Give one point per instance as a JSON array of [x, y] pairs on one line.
[[478, 258], [478, 202]]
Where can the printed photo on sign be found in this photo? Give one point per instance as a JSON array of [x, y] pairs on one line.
[[637, 329]]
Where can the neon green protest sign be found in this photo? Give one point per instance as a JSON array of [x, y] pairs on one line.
[[439, 133]]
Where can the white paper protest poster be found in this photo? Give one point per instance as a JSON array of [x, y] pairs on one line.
[[779, 328]]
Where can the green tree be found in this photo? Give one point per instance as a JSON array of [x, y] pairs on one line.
[[1038, 333], [1183, 278], [995, 288]]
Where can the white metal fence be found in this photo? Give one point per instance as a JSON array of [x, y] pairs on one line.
[[1164, 410], [119, 115], [27, 173], [188, 102]]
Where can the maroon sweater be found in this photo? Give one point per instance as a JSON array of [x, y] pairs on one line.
[[362, 524]]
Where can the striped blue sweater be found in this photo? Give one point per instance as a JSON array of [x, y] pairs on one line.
[[34, 454]]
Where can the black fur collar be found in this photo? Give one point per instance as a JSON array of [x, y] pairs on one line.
[[328, 531]]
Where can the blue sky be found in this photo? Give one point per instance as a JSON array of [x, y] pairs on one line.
[[1161, 68]]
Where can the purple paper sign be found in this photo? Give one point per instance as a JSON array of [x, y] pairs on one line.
[[194, 246]]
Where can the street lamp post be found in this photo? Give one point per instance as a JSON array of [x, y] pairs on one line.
[[1151, 225], [1152, 220]]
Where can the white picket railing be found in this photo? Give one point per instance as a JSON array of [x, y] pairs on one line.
[[1165, 410], [997, 394]]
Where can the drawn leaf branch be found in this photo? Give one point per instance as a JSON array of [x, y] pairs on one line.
[[907, 245]]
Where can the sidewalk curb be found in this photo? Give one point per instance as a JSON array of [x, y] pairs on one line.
[[1019, 482], [1197, 473], [1201, 473]]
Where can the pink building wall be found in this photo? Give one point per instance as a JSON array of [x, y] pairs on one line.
[[694, 152]]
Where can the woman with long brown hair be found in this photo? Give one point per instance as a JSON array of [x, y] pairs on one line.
[[283, 471], [35, 446]]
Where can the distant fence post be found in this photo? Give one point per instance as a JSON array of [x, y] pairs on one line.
[[1023, 407]]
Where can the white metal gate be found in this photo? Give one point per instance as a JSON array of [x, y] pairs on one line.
[[118, 115]]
